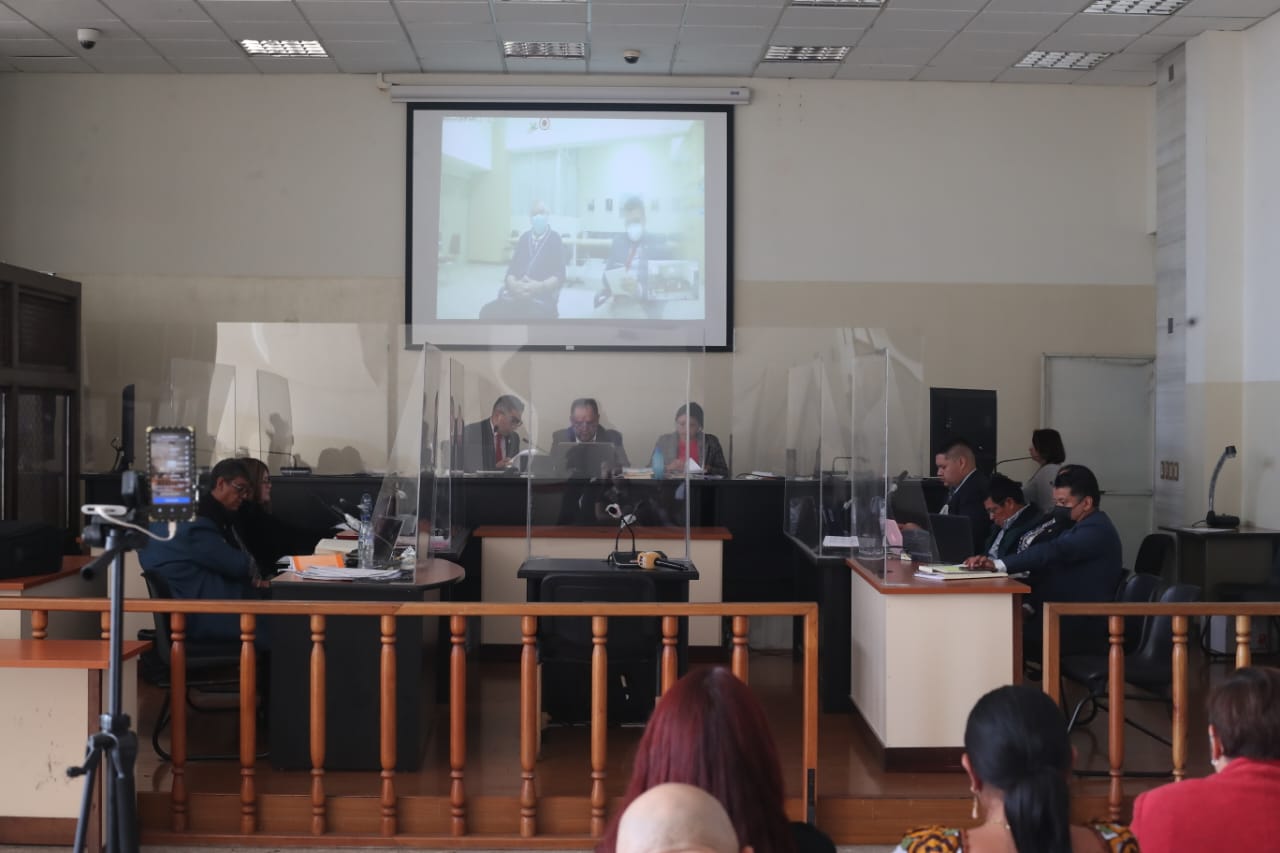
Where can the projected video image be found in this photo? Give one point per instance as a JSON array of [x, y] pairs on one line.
[[545, 218]]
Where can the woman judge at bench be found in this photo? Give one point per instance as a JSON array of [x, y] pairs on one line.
[[674, 450]]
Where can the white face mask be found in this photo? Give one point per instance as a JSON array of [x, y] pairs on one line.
[[635, 231]]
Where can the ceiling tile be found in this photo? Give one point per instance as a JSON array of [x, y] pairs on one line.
[[438, 13], [32, 47], [7, 14], [777, 4], [877, 72], [1102, 44], [1017, 22], [158, 10], [815, 36], [347, 10], [1038, 6], [798, 70], [717, 58], [1156, 45], [299, 29], [654, 59], [731, 16], [810, 16], [959, 74], [366, 57], [252, 10], [20, 30], [1039, 75], [952, 55], [53, 12], [922, 39], [919, 19], [5, 66], [596, 3], [294, 65], [132, 65], [546, 65], [542, 32], [198, 48], [636, 14], [50, 64], [967, 40], [865, 55], [461, 56], [1120, 25], [1232, 8], [540, 13], [602, 34], [213, 65], [118, 49], [1129, 62], [1187, 26], [1118, 78], [940, 5], [724, 35], [358, 30], [422, 32], [205, 29]]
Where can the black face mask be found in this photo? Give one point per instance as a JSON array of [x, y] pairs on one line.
[[1062, 517]]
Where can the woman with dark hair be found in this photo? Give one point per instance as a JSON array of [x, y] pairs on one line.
[[1046, 451], [1018, 757], [266, 537], [1238, 807], [689, 442], [710, 731]]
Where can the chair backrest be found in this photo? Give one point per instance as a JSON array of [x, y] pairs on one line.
[[158, 587], [571, 635], [1157, 645], [1155, 552], [1137, 589]]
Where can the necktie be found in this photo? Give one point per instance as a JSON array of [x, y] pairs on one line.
[[499, 446]]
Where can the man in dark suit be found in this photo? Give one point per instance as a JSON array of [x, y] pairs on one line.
[[958, 470], [584, 426], [491, 445], [1083, 563], [1011, 517]]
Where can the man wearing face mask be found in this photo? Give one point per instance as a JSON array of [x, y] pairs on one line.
[[1083, 563], [629, 256], [531, 290]]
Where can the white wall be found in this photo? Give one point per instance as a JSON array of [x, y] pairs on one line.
[[998, 221]]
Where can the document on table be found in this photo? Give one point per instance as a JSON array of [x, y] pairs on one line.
[[336, 573]]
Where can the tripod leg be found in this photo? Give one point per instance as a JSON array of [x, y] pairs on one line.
[[123, 792], [89, 770]]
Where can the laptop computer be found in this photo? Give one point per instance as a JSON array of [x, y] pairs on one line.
[[584, 460], [952, 537]]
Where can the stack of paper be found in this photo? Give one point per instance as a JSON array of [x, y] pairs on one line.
[[338, 573]]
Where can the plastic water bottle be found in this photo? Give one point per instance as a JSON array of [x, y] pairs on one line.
[[364, 542], [659, 466]]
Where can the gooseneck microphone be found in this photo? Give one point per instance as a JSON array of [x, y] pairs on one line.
[[1012, 459], [1213, 519]]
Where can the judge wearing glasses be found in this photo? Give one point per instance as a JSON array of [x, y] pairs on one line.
[[205, 559], [492, 444], [584, 426]]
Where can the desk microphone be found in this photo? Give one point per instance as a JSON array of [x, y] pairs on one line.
[[1213, 519], [650, 560], [1012, 459]]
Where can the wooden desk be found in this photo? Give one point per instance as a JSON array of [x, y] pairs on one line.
[[352, 647], [922, 652], [504, 551], [1208, 557], [65, 583]]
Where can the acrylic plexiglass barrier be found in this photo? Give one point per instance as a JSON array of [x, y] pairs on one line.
[[201, 395]]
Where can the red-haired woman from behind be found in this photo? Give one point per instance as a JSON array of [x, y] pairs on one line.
[[710, 731]]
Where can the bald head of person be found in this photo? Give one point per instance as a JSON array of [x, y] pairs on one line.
[[676, 818]]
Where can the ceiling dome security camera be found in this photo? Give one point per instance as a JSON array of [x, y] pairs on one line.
[[631, 56], [88, 37]]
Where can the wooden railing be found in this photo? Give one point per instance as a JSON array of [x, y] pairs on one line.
[[1180, 615], [390, 823]]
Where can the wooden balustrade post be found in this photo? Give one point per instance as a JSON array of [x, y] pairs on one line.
[[1244, 653], [1051, 655], [529, 722], [248, 724], [39, 624], [599, 719], [1115, 714], [457, 723], [1179, 698], [319, 724], [178, 720], [670, 661], [387, 728], [104, 624], [738, 660], [810, 726]]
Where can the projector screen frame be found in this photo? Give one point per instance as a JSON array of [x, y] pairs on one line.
[[536, 108]]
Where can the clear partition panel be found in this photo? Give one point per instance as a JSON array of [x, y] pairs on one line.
[[275, 421], [202, 395], [402, 516], [868, 471], [802, 453]]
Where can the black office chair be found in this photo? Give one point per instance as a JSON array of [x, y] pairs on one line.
[[211, 668], [1149, 667], [565, 646], [1154, 554]]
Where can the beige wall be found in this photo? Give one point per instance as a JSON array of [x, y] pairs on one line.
[[1000, 222]]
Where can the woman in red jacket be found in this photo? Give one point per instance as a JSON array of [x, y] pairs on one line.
[[1237, 808]]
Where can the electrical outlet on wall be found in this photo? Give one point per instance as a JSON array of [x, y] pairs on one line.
[[1169, 470]]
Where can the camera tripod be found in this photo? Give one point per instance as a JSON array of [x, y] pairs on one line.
[[114, 747]]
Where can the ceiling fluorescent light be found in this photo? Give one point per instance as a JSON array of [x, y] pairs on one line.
[[1136, 7], [787, 53], [1062, 60], [545, 49], [282, 47], [406, 92], [850, 3]]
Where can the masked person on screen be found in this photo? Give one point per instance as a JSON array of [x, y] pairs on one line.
[[531, 290], [626, 271]]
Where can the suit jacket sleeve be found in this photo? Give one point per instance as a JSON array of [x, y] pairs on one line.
[[616, 438], [477, 447], [1073, 546], [207, 549], [713, 461]]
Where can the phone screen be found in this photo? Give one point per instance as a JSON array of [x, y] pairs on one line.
[[171, 454]]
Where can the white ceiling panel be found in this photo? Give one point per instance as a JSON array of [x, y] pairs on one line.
[[358, 30], [213, 65], [299, 29], [1129, 62], [1039, 75], [654, 59], [867, 55], [294, 64], [205, 29], [1186, 26], [542, 32], [540, 13], [360, 57], [959, 74], [1118, 25], [877, 72], [161, 10], [1017, 22], [461, 56], [197, 48], [623, 35], [923, 39], [347, 10], [922, 19], [636, 14], [940, 5], [777, 4], [32, 47], [723, 35], [50, 64], [731, 16], [1097, 77], [7, 14], [117, 49], [799, 36], [133, 65], [1102, 44], [440, 13], [716, 59], [1232, 8], [1041, 6], [419, 33], [4, 65], [54, 12], [20, 29], [978, 41], [252, 10], [1156, 45], [952, 55], [798, 70], [546, 65], [810, 16]]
